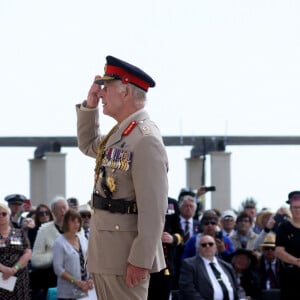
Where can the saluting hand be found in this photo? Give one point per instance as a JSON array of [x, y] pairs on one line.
[[135, 275], [94, 94]]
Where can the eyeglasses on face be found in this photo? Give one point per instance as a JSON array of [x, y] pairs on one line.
[[269, 248], [43, 213], [204, 245], [210, 223], [228, 218], [85, 216], [244, 221], [3, 214], [295, 207]]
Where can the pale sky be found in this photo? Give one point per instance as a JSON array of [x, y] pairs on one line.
[[221, 67]]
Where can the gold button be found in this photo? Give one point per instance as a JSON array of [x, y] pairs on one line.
[[117, 227]]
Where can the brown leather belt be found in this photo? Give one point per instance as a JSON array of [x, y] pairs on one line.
[[121, 206]]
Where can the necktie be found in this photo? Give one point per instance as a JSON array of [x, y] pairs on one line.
[[86, 233], [243, 241], [271, 277], [221, 282], [186, 235]]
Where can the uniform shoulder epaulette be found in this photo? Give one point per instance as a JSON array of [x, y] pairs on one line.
[[144, 128]]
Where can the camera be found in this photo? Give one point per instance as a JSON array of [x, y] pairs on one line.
[[209, 188], [219, 235]]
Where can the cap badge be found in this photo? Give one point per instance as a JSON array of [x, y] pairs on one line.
[[125, 80]]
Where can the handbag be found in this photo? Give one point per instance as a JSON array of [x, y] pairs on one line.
[[52, 293]]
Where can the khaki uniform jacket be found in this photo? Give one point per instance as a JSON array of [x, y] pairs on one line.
[[118, 239]]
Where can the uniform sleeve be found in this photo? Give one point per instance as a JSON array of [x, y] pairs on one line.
[[149, 175], [88, 136], [176, 226]]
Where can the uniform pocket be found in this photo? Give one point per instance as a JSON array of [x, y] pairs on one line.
[[107, 221]]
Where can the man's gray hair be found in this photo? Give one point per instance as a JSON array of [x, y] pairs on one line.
[[139, 95], [188, 198], [55, 200]]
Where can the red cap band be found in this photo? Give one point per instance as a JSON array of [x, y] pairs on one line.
[[126, 77]]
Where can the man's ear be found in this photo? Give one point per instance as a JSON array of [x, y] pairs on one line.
[[127, 93]]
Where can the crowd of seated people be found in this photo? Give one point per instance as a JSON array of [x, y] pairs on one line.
[[246, 240]]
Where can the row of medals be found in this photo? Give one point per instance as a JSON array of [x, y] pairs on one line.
[[13, 240]]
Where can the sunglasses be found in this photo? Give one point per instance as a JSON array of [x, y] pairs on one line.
[[204, 245], [228, 218], [43, 213], [210, 223], [3, 214], [85, 216], [269, 248]]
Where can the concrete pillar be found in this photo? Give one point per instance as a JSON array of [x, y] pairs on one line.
[[47, 177], [221, 179], [194, 172]]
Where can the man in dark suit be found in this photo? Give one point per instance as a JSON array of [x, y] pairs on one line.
[[160, 282], [189, 226], [269, 268], [187, 207], [206, 277]]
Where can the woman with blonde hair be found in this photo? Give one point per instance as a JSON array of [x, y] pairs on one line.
[[14, 256]]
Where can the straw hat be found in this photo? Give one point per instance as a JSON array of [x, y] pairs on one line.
[[269, 240]]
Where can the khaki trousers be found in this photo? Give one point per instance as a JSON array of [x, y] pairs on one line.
[[113, 287]]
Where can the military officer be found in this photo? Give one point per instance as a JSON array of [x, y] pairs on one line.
[[130, 189], [16, 205]]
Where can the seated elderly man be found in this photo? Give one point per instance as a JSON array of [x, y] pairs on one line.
[[204, 276]]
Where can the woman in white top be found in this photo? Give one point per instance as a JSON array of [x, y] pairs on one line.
[[42, 253]]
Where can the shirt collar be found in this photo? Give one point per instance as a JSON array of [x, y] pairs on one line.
[[183, 220], [207, 262]]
